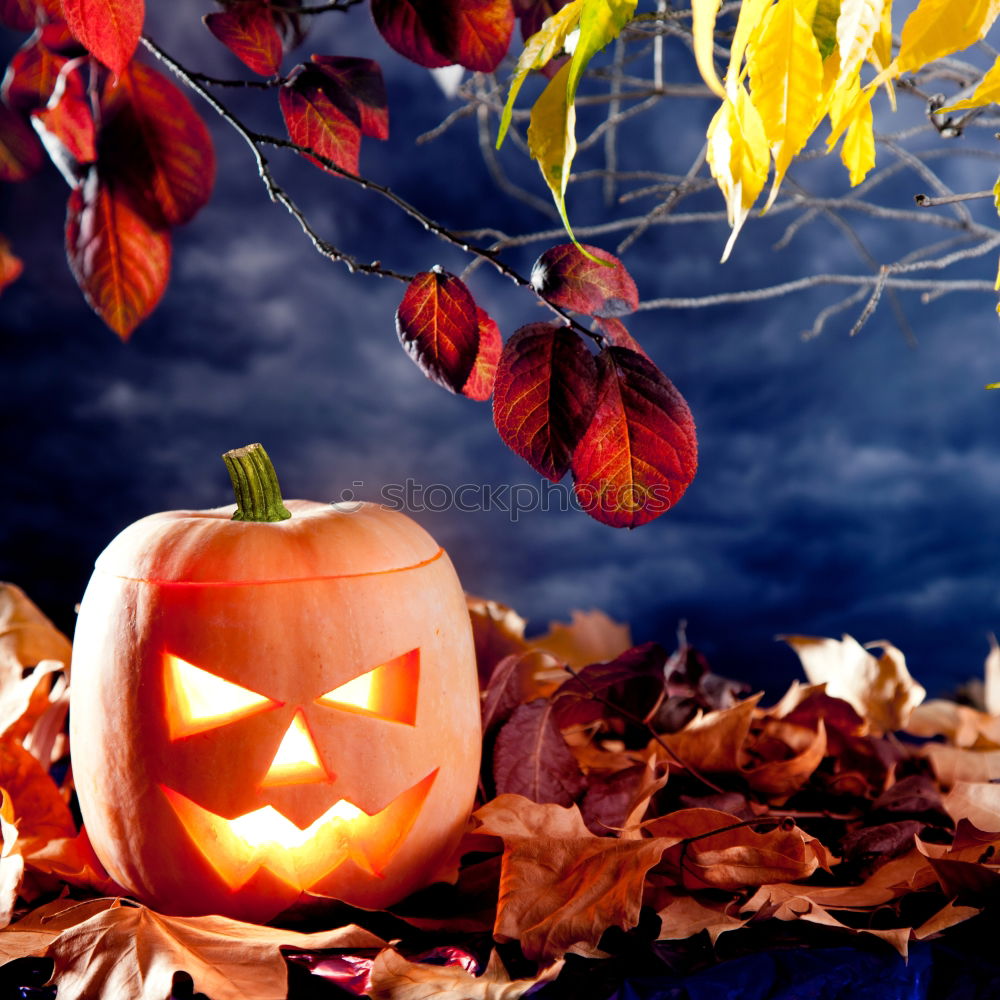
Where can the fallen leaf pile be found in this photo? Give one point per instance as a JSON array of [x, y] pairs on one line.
[[632, 803]]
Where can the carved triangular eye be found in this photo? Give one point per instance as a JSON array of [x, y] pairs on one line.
[[198, 701], [389, 691]]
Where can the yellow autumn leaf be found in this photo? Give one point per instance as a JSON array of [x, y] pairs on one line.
[[988, 92], [703, 13], [939, 27], [996, 195], [858, 151], [601, 22], [857, 26], [747, 29], [786, 82], [544, 45], [737, 157], [824, 25], [552, 139], [881, 51]]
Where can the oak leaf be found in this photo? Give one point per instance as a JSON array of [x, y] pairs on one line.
[[112, 948], [560, 885]]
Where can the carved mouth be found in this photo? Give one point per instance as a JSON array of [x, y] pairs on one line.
[[237, 848]]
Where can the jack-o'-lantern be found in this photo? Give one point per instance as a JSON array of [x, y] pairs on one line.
[[273, 705]]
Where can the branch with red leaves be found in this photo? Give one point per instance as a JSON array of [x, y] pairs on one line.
[[139, 161]]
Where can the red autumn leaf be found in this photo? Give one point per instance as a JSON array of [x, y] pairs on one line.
[[249, 32], [481, 36], [514, 681], [32, 73], [21, 153], [361, 80], [639, 453], [119, 260], [479, 385], [11, 265], [66, 124], [434, 33], [568, 278], [108, 29], [438, 325], [544, 397], [157, 146], [21, 15], [530, 757], [319, 115], [402, 24], [633, 681], [571, 280], [617, 336]]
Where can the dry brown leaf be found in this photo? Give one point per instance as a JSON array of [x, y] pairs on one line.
[[39, 812], [948, 916], [590, 637], [395, 978], [961, 725], [515, 680], [975, 801], [108, 948], [786, 902], [560, 885], [26, 636], [497, 631], [713, 742], [710, 849], [687, 915], [23, 702], [953, 764], [962, 868], [881, 690], [784, 775]]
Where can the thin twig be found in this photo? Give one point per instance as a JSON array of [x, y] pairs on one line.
[[926, 201]]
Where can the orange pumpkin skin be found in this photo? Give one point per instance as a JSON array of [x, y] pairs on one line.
[[285, 612]]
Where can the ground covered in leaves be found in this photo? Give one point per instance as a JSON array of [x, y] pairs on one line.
[[645, 829]]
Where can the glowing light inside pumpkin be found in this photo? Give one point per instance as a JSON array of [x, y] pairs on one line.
[[198, 701], [297, 759], [267, 826], [237, 848], [389, 691]]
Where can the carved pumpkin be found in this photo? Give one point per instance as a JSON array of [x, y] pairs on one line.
[[270, 710]]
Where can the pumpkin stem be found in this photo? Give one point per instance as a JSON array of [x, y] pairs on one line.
[[255, 483]]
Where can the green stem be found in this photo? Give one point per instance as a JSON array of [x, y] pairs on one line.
[[255, 483]]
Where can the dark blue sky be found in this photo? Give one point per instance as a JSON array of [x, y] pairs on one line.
[[844, 485]]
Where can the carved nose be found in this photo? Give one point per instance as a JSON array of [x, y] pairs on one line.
[[297, 760]]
